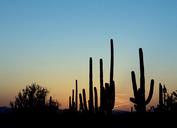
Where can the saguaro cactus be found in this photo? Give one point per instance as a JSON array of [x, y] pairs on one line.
[[73, 103], [102, 94], [112, 83], [70, 104], [76, 96], [107, 93], [84, 99], [112, 61], [96, 99], [161, 97], [90, 86], [139, 94], [81, 103]]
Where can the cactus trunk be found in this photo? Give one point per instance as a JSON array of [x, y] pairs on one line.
[[90, 87], [84, 99], [96, 99], [112, 83], [76, 97], [81, 103], [101, 86], [70, 105], [112, 61], [160, 97], [73, 104]]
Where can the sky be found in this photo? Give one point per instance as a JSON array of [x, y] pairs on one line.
[[50, 41]]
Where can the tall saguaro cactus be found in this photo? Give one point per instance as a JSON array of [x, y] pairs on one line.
[[102, 94], [107, 93], [90, 86], [112, 83], [139, 94], [112, 61], [76, 97]]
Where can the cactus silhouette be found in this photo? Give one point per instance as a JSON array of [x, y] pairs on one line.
[[96, 99], [167, 101], [73, 103], [139, 94], [90, 86], [107, 93], [161, 99], [164, 99], [84, 99], [76, 97], [70, 104], [81, 102], [109, 100], [112, 61], [110, 87], [102, 93]]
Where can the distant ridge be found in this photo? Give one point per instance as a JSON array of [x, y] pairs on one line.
[[5, 110]]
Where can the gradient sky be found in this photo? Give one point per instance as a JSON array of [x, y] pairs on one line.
[[50, 41]]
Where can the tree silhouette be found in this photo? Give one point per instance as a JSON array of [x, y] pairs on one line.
[[33, 99]]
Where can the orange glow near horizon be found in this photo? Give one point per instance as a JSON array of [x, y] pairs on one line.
[[62, 90]]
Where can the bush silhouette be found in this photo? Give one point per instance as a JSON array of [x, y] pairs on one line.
[[33, 99]]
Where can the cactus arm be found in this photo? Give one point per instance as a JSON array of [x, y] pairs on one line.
[[101, 85], [96, 99], [150, 92], [142, 77], [112, 61], [90, 86], [134, 84], [76, 95], [133, 100], [84, 99], [112, 93], [112, 83], [70, 105], [73, 99], [81, 103], [160, 95]]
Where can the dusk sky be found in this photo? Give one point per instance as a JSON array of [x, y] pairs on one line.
[[50, 41]]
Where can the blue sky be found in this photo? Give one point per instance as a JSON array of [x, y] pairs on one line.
[[52, 40]]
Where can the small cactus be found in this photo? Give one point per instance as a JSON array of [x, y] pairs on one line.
[[70, 104], [73, 103], [84, 99], [81, 103], [96, 99], [161, 103]]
